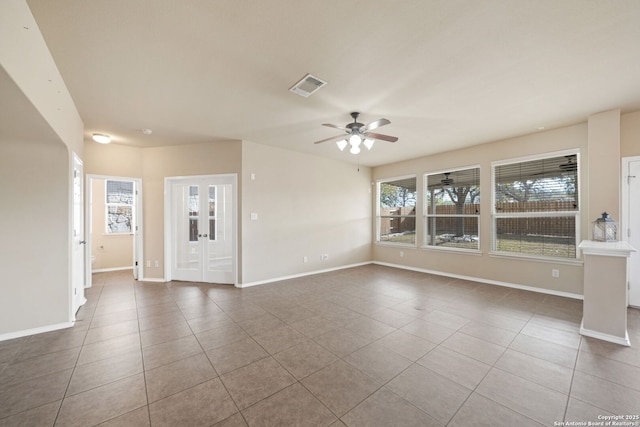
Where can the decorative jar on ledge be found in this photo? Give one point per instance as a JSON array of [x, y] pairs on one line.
[[605, 229]]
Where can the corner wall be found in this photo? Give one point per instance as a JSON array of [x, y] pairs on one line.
[[306, 206]]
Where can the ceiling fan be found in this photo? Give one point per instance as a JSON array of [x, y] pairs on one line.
[[358, 133], [447, 180]]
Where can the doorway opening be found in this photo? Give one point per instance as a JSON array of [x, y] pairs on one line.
[[200, 229], [114, 225]]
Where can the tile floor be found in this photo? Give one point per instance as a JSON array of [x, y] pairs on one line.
[[366, 346]]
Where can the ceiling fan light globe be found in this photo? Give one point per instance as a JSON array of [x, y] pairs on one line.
[[368, 143], [341, 144], [354, 149], [355, 140]]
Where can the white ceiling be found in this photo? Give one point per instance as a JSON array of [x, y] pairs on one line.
[[448, 74]]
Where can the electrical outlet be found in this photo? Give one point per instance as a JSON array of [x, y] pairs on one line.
[[324, 257], [555, 272], [148, 263], [305, 259], [157, 264], [401, 254]]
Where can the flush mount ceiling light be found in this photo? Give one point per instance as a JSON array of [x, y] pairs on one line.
[[101, 138], [357, 134]]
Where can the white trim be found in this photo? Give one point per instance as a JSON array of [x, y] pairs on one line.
[[487, 281], [104, 270], [624, 189], [618, 248], [539, 156], [294, 276], [605, 337], [463, 251], [33, 331], [535, 258], [152, 279]]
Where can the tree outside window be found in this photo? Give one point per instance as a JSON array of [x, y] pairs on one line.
[[397, 210], [119, 207]]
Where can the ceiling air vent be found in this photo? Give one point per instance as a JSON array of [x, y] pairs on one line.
[[307, 85]]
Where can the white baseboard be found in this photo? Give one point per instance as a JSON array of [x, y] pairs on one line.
[[294, 276], [605, 337], [105, 270], [151, 279], [33, 331], [488, 281]]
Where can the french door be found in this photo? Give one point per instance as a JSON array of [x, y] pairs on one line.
[[202, 223]]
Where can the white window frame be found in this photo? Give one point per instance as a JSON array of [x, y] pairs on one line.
[[107, 205], [379, 215], [427, 215], [495, 215]]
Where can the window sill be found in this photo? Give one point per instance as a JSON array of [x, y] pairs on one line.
[[396, 244], [549, 260], [476, 252]]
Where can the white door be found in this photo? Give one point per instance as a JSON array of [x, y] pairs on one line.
[[202, 229], [78, 242], [633, 233]]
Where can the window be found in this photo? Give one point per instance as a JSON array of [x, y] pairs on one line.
[[536, 209], [119, 206], [397, 210], [452, 209]]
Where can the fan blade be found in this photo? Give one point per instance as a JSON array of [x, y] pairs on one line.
[[334, 126], [376, 124], [380, 136], [335, 138]]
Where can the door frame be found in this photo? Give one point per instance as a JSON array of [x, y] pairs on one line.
[[138, 272], [78, 263], [625, 221], [168, 220]]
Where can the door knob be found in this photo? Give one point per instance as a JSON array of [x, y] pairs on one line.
[[82, 242]]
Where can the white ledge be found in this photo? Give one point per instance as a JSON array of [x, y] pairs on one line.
[[592, 247]]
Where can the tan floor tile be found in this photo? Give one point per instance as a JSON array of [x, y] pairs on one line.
[[211, 321], [542, 349], [136, 418], [104, 371], [261, 324], [393, 318], [492, 334], [629, 355], [315, 326], [305, 358], [436, 395], [455, 366], [52, 342], [578, 411], [38, 366], [178, 376], [222, 335], [539, 371], [609, 369], [556, 336], [236, 355], [235, 420], [103, 403], [384, 408], [113, 330], [369, 328], [475, 348], [378, 362], [340, 386], [604, 394], [341, 342], [252, 383], [293, 406], [479, 411], [516, 393], [44, 415], [405, 344], [170, 351], [165, 333], [202, 405], [109, 348], [428, 331], [33, 393], [279, 339], [448, 320]]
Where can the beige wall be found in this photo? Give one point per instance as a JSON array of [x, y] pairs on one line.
[[34, 260], [630, 134], [306, 206], [110, 250], [514, 271]]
